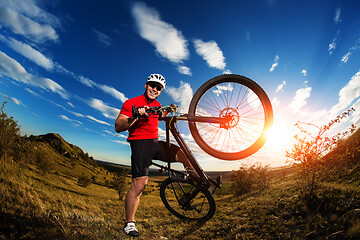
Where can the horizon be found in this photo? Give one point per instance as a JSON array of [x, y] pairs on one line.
[[67, 67]]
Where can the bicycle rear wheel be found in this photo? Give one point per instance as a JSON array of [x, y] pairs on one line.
[[186, 201], [246, 108]]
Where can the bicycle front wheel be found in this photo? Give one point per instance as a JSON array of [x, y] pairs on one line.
[[186, 201], [247, 114]]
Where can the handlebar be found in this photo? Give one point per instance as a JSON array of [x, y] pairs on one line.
[[154, 110], [223, 121]]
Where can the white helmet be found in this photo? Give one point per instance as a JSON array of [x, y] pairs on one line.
[[157, 78]]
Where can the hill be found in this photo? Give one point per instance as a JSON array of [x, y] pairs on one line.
[[42, 197], [48, 185], [64, 148], [343, 163]]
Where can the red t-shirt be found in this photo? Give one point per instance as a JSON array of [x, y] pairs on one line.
[[145, 127]]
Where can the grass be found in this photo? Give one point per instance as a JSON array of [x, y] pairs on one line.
[[60, 207], [36, 206], [41, 198]]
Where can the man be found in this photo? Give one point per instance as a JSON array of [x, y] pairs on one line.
[[143, 139]]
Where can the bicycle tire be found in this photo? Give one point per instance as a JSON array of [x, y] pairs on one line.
[[252, 116], [174, 192]]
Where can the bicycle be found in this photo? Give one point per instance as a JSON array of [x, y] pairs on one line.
[[228, 118]]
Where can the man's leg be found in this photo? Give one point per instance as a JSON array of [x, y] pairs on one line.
[[176, 155], [132, 198], [132, 201], [181, 157]]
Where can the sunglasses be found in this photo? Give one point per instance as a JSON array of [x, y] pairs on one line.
[[154, 85]]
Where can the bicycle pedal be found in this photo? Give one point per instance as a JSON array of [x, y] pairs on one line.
[[218, 180]]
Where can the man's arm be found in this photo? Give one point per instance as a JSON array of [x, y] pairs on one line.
[[124, 122]]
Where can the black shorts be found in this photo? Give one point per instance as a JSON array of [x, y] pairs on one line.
[[144, 151]]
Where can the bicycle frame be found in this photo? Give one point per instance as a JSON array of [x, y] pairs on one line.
[[204, 180]]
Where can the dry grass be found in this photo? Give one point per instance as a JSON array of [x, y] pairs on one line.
[[39, 202], [52, 206]]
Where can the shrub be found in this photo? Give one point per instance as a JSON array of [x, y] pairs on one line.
[[42, 162], [309, 149], [11, 143], [312, 145], [118, 182], [10, 134], [246, 179], [84, 181]]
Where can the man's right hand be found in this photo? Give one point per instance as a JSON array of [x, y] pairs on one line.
[[139, 112]]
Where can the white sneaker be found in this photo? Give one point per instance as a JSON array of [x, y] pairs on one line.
[[130, 229]]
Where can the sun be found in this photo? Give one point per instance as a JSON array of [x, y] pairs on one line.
[[280, 135]]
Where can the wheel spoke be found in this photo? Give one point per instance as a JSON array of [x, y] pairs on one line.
[[185, 200], [246, 111], [241, 137]]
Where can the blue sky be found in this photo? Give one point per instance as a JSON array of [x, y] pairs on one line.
[[68, 66]]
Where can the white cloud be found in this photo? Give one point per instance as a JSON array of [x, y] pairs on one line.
[[65, 109], [64, 117], [168, 41], [121, 142], [345, 58], [14, 100], [120, 135], [12, 69], [227, 71], [70, 104], [113, 92], [63, 70], [280, 87], [319, 117], [75, 113], [103, 38], [12, 16], [29, 52], [275, 101], [33, 93], [211, 53], [304, 72], [275, 64], [107, 111], [300, 99], [348, 94], [30, 9], [356, 47], [97, 120], [72, 121], [184, 70], [107, 89], [337, 16], [332, 46], [86, 81], [181, 95]]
